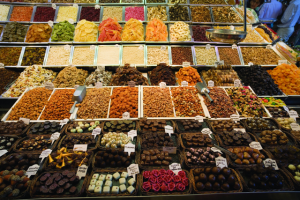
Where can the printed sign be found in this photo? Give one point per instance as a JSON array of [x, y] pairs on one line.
[[256, 145], [199, 118], [126, 115], [129, 148], [269, 162], [32, 170], [81, 171], [186, 64], [132, 134], [80, 147]]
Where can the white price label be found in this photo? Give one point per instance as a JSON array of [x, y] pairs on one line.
[[81, 171], [234, 46], [163, 48], [64, 122], [76, 86], [208, 46], [50, 23], [1, 65], [92, 47], [99, 85], [75, 5], [32, 170], [240, 129], [269, 162], [295, 126], [269, 46], [25, 120], [231, 27], [250, 63], [2, 152], [126, 115], [210, 83], [129, 148], [71, 21], [54, 137], [175, 167], [186, 64], [49, 85], [206, 131], [221, 162], [96, 132], [293, 114], [141, 47], [249, 26], [54, 6], [184, 84], [286, 108], [237, 83], [169, 129], [235, 117], [199, 118], [216, 150], [80, 147], [133, 169], [67, 47], [282, 62], [97, 6], [255, 145], [45, 153], [221, 62], [170, 150], [162, 84], [132, 134], [101, 68]]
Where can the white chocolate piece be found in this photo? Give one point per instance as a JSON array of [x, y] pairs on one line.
[[115, 190], [124, 175], [98, 189], [99, 183], [108, 183], [122, 188], [93, 182], [130, 189], [116, 175], [106, 189], [108, 177], [102, 177], [122, 181], [131, 181], [91, 188], [95, 176]]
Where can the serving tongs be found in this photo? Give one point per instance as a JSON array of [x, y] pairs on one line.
[[232, 155], [203, 90], [78, 96]]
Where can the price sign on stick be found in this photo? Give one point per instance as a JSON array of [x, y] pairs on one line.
[[269, 162], [82, 170], [133, 169], [129, 148], [256, 145], [132, 134], [175, 167], [221, 162], [169, 129]]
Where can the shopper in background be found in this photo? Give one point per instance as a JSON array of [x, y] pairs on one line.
[[289, 19], [255, 5], [270, 10]]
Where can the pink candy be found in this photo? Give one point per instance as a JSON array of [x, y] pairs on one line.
[[134, 12]]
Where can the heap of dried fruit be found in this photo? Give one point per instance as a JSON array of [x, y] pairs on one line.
[[69, 77], [188, 74]]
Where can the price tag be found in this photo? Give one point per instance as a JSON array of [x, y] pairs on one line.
[[131, 83], [286, 108], [206, 131], [97, 7], [49, 85], [1, 65], [54, 137], [75, 5], [126, 115], [255, 145], [133, 169], [32, 170], [210, 83], [117, 45], [235, 117], [234, 46], [101, 68], [293, 114], [231, 27], [2, 152], [214, 149], [54, 6], [250, 63], [92, 47], [199, 118], [221, 162], [81, 171], [141, 47], [25, 120], [184, 84], [45, 154], [282, 62], [129, 148], [240, 129], [208, 46], [76, 86], [96, 132], [162, 84], [169, 129], [186, 64], [295, 126], [249, 26], [99, 85], [163, 48], [269, 46], [269, 162], [221, 62], [80, 147], [175, 167], [71, 21], [237, 83], [64, 122], [67, 47], [132, 134], [50, 23], [170, 150]]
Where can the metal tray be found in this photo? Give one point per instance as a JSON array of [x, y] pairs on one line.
[[169, 53], [171, 60], [195, 58]]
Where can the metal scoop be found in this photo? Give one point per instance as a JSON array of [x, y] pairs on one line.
[[78, 96], [203, 90]]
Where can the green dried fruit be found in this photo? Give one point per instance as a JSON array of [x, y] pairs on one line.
[[14, 32], [63, 31], [33, 56]]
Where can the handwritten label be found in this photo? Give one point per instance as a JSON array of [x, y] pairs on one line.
[[286, 108], [171, 150], [214, 149], [237, 83], [132, 134], [80, 147], [234, 46], [32, 170], [141, 47], [133, 169], [282, 62], [221, 62], [169, 129], [184, 84], [67, 47], [293, 114], [96, 132], [45, 153], [199, 118], [50, 23], [206, 131], [175, 167], [25, 120], [99, 85], [54, 137], [129, 148], [240, 129], [235, 117], [269, 46], [295, 126], [255, 145], [97, 7], [71, 21], [210, 83], [208, 46], [162, 84], [49, 85], [126, 115], [186, 64], [54, 6], [2, 152], [270, 163], [101, 68], [250, 63], [64, 122], [1, 65], [92, 47], [75, 5], [163, 48], [221, 162], [81, 171], [131, 83]]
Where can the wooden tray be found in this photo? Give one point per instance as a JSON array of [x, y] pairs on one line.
[[179, 128], [273, 121], [23, 133], [184, 145], [99, 146], [17, 138], [34, 135], [174, 138], [169, 122], [211, 127], [278, 161], [85, 132], [93, 147], [135, 122], [290, 174], [253, 137]]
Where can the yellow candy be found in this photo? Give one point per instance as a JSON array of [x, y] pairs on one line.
[[86, 31]]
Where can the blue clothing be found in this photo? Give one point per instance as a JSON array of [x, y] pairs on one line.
[[285, 33], [291, 15], [270, 10]]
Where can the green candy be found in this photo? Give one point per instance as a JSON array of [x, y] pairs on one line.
[[63, 31]]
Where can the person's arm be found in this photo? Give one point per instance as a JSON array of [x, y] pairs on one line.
[[289, 13]]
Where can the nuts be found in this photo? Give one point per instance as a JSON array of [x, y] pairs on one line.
[[259, 56], [229, 55], [225, 14], [69, 77], [200, 14]]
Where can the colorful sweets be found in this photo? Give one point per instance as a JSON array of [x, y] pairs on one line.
[[21, 13], [86, 31], [135, 13], [133, 31], [110, 30], [188, 74], [156, 30]]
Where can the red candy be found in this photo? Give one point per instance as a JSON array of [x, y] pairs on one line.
[[134, 12], [44, 14], [90, 14]]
